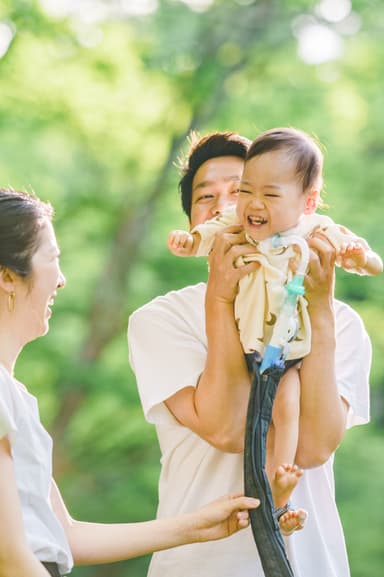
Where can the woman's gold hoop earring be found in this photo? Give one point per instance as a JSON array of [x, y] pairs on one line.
[[11, 301]]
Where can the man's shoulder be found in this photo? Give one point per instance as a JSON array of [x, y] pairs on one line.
[[188, 299], [347, 317], [342, 308]]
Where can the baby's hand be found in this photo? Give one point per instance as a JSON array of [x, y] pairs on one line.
[[180, 242], [352, 255]]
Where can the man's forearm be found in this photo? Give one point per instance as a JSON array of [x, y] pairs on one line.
[[221, 398], [222, 395], [216, 409], [322, 411]]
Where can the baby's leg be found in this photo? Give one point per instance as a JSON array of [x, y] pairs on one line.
[[284, 431], [283, 482], [282, 441], [282, 485], [292, 521]]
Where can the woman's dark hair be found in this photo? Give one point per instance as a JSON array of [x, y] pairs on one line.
[[202, 149], [302, 148], [22, 216]]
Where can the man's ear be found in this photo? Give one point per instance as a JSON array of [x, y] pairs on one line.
[[311, 201]]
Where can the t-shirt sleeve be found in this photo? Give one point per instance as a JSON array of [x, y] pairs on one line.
[[166, 353], [353, 363], [7, 416]]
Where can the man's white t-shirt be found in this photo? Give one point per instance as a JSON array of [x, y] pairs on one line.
[[32, 456], [168, 347]]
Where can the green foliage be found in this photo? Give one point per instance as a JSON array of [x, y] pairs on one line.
[[359, 475], [93, 114]]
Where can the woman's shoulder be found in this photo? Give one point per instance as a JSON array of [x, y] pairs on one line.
[[6, 380]]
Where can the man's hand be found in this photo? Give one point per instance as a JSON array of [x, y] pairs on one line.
[[320, 277], [224, 272]]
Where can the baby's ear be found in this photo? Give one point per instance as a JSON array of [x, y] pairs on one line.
[[311, 201]]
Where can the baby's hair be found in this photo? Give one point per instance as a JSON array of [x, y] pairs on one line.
[[304, 150]]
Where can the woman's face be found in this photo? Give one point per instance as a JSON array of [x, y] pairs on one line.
[[37, 295]]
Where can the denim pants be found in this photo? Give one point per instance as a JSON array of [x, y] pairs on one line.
[[265, 527]]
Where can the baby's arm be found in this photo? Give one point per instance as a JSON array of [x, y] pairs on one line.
[[359, 257], [183, 243]]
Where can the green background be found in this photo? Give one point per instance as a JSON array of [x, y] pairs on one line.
[[95, 106]]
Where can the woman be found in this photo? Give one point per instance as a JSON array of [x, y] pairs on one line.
[[38, 535]]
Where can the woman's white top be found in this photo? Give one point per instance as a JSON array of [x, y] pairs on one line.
[[31, 447]]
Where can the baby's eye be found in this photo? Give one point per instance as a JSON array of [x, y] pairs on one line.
[[244, 191], [273, 195]]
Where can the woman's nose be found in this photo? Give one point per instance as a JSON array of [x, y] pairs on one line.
[[61, 281]]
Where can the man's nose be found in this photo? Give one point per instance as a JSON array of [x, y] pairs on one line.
[[222, 202]]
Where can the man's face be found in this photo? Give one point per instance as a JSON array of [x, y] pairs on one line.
[[215, 186]]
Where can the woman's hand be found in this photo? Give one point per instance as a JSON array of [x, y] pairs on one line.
[[222, 517]]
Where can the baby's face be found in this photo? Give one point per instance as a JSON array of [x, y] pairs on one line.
[[271, 197]]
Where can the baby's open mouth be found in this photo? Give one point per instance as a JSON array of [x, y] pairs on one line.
[[256, 220]]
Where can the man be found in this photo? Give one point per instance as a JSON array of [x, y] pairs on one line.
[[194, 386]]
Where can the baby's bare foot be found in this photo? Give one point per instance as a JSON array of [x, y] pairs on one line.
[[292, 521], [285, 480]]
